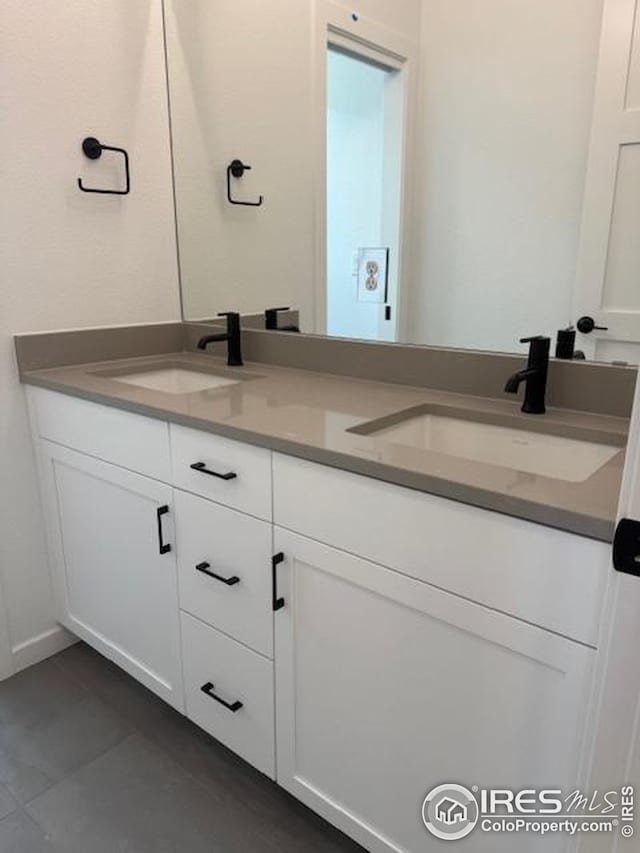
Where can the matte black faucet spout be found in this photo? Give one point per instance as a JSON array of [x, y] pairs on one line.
[[513, 382], [534, 374], [232, 336]]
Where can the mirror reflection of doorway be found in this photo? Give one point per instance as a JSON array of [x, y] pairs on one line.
[[364, 168]]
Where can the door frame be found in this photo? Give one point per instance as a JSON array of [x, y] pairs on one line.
[[364, 37], [614, 732], [614, 125]]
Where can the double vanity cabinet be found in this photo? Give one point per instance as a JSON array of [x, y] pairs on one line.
[[356, 641]]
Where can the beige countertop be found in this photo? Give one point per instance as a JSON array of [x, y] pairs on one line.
[[307, 414]]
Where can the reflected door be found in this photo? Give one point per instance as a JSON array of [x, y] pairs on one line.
[[608, 275], [364, 160]]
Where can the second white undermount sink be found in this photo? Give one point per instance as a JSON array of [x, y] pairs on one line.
[[541, 453], [175, 380]]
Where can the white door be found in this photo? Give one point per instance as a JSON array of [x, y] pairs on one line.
[[387, 687], [608, 274], [111, 533], [614, 756]]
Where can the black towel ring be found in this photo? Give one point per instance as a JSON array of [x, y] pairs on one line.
[[237, 168], [93, 150]]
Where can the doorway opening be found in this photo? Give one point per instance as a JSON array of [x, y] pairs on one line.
[[364, 145]]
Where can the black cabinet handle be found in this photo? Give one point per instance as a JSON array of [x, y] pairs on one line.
[[204, 568], [164, 548], [626, 547], [277, 603], [202, 468], [232, 706]]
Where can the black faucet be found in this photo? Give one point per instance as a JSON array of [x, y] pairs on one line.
[[534, 374], [271, 321], [231, 336]]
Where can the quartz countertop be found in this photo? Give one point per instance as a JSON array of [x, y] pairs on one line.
[[307, 415]]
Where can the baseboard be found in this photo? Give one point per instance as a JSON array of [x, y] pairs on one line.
[[43, 646]]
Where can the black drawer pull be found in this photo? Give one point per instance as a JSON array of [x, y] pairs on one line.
[[276, 602], [232, 706], [204, 568], [164, 548], [202, 468]]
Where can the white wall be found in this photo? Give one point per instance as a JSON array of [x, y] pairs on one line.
[[403, 16], [69, 70], [507, 93], [241, 84]]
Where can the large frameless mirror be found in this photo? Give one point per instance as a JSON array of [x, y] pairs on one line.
[[448, 174]]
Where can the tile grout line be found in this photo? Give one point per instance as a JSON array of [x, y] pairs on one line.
[[134, 729], [75, 770], [157, 747], [90, 695]]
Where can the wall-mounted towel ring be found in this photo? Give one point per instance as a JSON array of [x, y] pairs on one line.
[[93, 150], [237, 168]]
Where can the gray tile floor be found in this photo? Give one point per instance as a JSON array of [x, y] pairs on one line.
[[92, 762]]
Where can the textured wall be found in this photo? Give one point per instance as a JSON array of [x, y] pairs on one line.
[[72, 69]]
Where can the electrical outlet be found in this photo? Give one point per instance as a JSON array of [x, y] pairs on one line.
[[373, 265]]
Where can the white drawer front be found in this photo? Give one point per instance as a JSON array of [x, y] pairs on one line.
[[237, 549], [544, 576], [229, 472], [216, 666], [132, 441]]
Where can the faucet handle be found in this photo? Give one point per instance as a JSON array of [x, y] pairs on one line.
[[271, 317], [233, 321], [534, 338]]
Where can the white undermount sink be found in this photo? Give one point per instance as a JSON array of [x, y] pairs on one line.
[[541, 453], [175, 380]]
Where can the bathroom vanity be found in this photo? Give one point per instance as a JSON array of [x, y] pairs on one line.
[[256, 553], [369, 551]]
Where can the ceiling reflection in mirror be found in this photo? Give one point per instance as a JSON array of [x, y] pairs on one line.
[[422, 171]]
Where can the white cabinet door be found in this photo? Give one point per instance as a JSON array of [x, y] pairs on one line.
[[387, 687], [115, 588]]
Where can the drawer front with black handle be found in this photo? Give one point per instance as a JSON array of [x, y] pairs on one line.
[[229, 472], [229, 692], [224, 570]]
